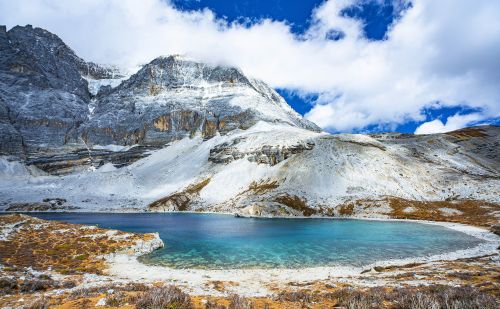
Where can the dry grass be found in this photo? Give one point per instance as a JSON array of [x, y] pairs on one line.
[[434, 296], [417, 297], [221, 285], [41, 303], [155, 89], [238, 302], [296, 203], [168, 297], [262, 187], [66, 248], [468, 133], [472, 212], [346, 210]]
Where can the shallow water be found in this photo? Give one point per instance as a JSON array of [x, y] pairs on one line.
[[220, 241]]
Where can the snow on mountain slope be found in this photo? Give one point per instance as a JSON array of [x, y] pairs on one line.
[[277, 169], [174, 97]]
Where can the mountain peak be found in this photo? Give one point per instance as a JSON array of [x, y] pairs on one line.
[[45, 91], [179, 71]]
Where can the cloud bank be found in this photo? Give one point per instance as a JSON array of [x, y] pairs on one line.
[[437, 53], [454, 122]]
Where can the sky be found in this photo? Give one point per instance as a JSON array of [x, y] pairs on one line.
[[412, 66]]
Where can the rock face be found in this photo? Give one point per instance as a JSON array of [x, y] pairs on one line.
[[267, 154], [49, 116], [172, 97], [42, 94]]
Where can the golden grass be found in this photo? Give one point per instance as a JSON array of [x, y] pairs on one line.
[[346, 210], [259, 188], [296, 203], [468, 133], [66, 248], [473, 212]]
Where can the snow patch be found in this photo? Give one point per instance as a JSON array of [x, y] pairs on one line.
[[10, 168], [450, 211], [108, 167], [95, 85], [112, 147], [409, 209]]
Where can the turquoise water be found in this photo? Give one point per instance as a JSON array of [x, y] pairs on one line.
[[219, 241]]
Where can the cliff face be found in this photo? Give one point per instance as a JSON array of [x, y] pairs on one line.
[[55, 107], [173, 97], [43, 96]]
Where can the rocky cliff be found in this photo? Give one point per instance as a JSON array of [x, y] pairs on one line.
[[55, 107], [173, 97]]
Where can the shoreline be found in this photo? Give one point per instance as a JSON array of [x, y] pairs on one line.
[[254, 282], [258, 282]]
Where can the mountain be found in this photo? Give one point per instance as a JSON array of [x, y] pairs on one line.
[[55, 106], [180, 134], [172, 97]]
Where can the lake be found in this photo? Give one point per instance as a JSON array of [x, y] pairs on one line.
[[211, 241]]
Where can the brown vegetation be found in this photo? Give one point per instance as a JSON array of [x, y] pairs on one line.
[[472, 212], [66, 248], [346, 210], [259, 188], [467, 133], [167, 297], [472, 285], [296, 203]]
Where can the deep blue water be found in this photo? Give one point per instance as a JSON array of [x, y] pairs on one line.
[[220, 241]]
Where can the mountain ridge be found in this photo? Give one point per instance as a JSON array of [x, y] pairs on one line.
[[167, 99]]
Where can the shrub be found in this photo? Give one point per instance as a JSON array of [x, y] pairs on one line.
[[35, 284], [238, 302], [356, 299], [444, 297], [7, 285], [116, 299], [68, 284], [41, 303], [44, 277], [432, 297], [214, 305], [167, 297], [296, 296]]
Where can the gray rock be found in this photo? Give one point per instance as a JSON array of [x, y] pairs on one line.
[[47, 115], [267, 154], [171, 98], [42, 90], [11, 141]]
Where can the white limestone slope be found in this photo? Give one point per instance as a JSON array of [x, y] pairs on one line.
[[337, 169]]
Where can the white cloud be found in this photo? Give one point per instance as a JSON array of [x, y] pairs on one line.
[[444, 51], [453, 123]]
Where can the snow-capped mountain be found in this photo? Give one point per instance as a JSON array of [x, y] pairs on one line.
[[173, 97], [55, 106], [185, 135]]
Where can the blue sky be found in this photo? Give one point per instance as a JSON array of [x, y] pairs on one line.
[[421, 66], [376, 16]]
